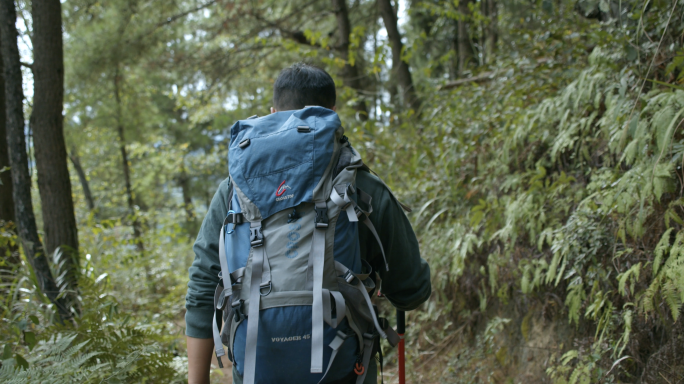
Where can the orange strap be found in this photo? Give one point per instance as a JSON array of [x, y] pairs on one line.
[[359, 369]]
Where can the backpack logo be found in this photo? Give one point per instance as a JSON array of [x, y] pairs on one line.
[[281, 190]]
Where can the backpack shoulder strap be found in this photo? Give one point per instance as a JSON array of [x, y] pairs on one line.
[[223, 290]]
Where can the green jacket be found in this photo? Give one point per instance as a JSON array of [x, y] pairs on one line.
[[406, 285]]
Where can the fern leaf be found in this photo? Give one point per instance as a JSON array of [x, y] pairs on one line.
[[660, 250]]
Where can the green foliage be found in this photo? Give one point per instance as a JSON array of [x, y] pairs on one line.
[[60, 360], [560, 177], [586, 368], [669, 280], [555, 183], [108, 342]]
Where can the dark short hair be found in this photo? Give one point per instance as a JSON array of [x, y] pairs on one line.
[[302, 85]]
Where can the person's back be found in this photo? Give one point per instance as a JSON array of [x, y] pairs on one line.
[[325, 191]]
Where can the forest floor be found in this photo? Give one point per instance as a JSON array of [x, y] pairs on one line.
[[227, 371]]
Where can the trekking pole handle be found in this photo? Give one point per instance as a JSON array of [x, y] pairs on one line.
[[401, 322]]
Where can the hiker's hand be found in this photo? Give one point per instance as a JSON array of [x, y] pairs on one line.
[[199, 359]]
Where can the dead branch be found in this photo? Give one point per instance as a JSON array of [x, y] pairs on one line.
[[487, 76]]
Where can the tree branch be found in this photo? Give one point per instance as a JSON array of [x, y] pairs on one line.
[[181, 15], [296, 35], [487, 76], [171, 19]]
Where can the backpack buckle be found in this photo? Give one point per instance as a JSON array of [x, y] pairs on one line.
[[237, 310], [256, 237], [321, 217], [349, 277]]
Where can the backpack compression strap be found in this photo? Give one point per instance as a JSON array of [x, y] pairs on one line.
[[224, 293], [336, 344], [318, 256], [258, 256], [223, 297]]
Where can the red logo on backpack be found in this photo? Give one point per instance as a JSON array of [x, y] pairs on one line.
[[282, 188]]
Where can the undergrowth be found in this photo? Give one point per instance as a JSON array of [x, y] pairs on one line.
[[555, 193], [125, 324], [548, 201]]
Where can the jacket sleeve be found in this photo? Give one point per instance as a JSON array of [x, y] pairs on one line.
[[199, 301], [407, 283]]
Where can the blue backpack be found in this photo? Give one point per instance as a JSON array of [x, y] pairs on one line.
[[294, 291]]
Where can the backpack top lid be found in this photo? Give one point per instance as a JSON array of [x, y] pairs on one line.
[[279, 161]]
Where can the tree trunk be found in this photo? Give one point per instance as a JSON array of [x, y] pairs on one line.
[[76, 162], [137, 233], [350, 73], [191, 225], [491, 29], [47, 124], [466, 54], [9, 255], [23, 207], [184, 183], [454, 62], [6, 199], [400, 68]]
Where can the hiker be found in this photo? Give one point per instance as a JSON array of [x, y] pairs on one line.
[[275, 211]]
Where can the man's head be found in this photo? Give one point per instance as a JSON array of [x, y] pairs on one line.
[[303, 85]]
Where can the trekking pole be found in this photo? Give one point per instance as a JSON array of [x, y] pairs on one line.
[[401, 329]]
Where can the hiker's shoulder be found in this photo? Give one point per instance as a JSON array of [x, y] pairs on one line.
[[225, 185], [222, 195], [372, 185], [369, 183]]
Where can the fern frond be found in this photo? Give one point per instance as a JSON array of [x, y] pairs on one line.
[[661, 249]]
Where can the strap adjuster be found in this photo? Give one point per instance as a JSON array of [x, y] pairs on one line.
[[349, 277], [223, 300], [237, 309], [321, 217], [233, 218], [256, 237]]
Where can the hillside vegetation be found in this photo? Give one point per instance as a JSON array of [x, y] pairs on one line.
[[543, 160]]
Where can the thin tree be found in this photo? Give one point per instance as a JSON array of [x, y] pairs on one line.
[[137, 232], [76, 162], [491, 28], [464, 44], [350, 72], [400, 68], [9, 257], [184, 182], [16, 143], [47, 123]]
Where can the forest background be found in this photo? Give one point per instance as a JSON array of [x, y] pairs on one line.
[[538, 141]]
